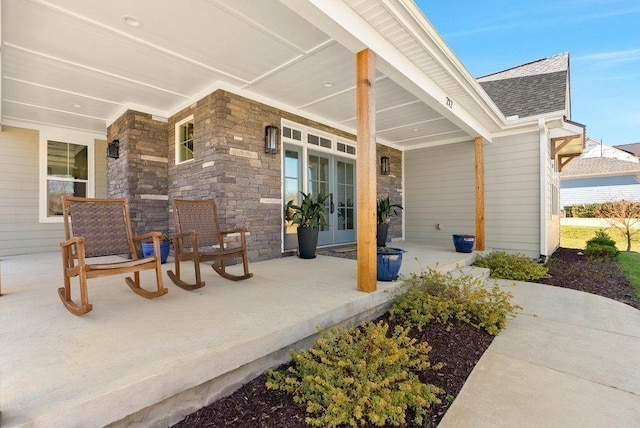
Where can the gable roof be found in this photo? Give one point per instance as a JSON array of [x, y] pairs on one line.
[[633, 148], [601, 166], [531, 89]]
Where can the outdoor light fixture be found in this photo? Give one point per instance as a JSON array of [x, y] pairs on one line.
[[271, 139], [385, 166], [113, 149]]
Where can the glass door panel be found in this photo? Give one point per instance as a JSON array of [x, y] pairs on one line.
[[292, 187], [345, 216], [318, 178]]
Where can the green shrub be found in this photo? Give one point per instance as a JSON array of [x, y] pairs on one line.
[[517, 267], [601, 245], [445, 297], [602, 238], [597, 250], [359, 377]]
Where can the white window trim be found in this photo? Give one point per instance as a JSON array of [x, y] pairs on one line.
[[176, 137], [63, 136], [306, 130]]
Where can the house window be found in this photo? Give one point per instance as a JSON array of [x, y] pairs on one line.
[[184, 140], [67, 174]]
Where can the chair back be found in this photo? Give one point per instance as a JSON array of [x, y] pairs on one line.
[[201, 216], [104, 224]]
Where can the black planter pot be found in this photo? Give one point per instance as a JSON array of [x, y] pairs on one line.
[[381, 234], [307, 242]]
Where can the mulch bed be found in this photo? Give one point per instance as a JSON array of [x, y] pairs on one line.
[[571, 268], [459, 349]]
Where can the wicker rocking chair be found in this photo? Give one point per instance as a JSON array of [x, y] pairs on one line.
[[199, 238], [102, 227]]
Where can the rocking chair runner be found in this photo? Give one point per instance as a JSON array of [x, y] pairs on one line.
[[199, 238], [102, 227]]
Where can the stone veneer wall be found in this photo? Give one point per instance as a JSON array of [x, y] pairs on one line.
[[391, 185], [229, 165], [140, 173]]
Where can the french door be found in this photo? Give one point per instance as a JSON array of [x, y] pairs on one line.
[[317, 172]]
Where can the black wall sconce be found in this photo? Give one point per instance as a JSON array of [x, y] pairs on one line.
[[385, 168], [113, 149], [271, 139]]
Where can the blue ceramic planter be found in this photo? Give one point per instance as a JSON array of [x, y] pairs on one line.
[[389, 262], [165, 247], [464, 243]]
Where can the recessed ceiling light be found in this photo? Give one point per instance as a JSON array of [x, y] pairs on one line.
[[76, 105], [328, 84], [130, 20]]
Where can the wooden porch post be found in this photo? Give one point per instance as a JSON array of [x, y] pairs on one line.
[[366, 169], [479, 148]]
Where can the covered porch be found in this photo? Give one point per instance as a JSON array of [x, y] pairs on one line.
[[133, 361]]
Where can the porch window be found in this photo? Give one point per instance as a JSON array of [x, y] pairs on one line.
[[184, 140], [67, 173]]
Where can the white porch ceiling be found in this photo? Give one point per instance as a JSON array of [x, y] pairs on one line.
[[77, 64]]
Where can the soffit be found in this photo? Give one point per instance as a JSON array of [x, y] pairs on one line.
[[77, 64]]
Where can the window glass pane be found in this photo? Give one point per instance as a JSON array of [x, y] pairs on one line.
[[67, 160], [56, 189], [313, 139], [185, 141], [297, 135], [324, 142], [286, 132]]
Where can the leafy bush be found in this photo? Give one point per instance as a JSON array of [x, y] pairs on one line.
[[359, 377], [586, 210], [601, 245], [517, 267], [445, 297], [602, 238], [597, 250]]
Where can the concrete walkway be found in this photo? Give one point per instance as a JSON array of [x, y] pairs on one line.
[[570, 359]]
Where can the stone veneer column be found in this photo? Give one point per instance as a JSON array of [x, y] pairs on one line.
[[140, 174], [391, 185]]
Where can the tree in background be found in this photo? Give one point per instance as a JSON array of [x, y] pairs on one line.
[[624, 216]]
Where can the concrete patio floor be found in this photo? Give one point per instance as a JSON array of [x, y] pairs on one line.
[[138, 362]]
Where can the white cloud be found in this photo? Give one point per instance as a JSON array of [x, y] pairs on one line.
[[613, 57]]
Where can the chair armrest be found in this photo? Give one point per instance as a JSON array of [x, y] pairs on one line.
[[76, 240], [236, 230], [148, 235]]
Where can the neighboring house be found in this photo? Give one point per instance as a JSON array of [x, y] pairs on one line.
[[601, 174], [633, 148], [186, 93]]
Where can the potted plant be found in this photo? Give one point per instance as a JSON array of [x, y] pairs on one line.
[[310, 215], [385, 210], [464, 243], [165, 247], [389, 260]]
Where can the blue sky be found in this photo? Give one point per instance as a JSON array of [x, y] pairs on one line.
[[601, 36]]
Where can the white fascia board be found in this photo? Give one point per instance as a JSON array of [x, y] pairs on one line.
[[334, 18], [447, 58]]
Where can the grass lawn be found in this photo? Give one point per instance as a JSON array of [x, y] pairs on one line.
[[630, 265], [577, 236]]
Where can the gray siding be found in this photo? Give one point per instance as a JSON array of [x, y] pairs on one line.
[[440, 190], [19, 190], [512, 194], [19, 224]]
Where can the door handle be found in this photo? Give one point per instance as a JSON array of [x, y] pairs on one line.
[[332, 206]]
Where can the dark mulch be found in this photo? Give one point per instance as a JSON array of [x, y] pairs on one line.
[[459, 349], [571, 268]]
